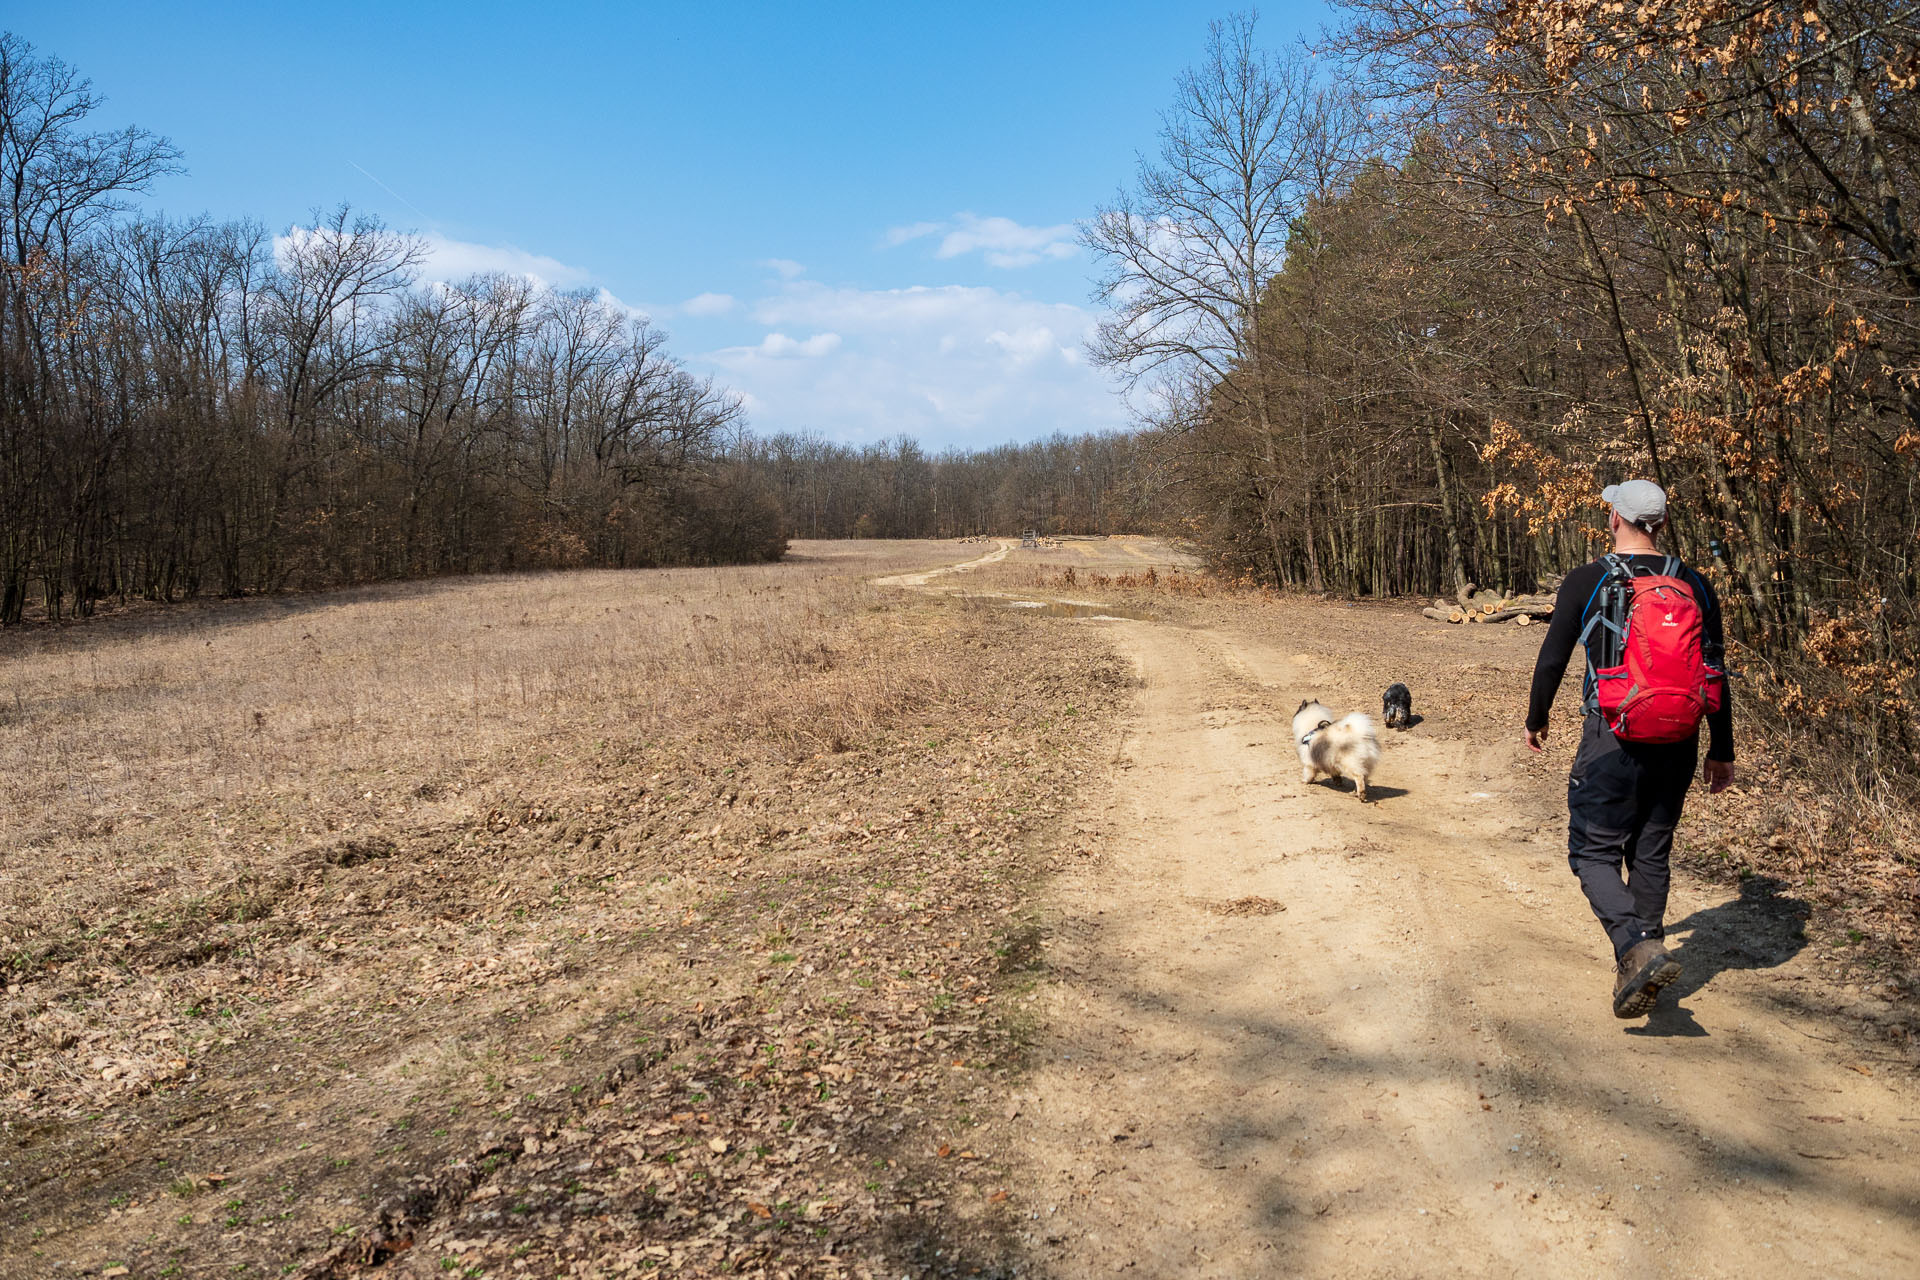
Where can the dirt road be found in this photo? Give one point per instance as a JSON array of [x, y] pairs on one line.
[[1291, 1034], [926, 576]]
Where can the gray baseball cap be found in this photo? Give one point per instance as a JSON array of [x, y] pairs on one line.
[[1637, 501]]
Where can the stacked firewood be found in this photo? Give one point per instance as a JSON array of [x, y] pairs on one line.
[[1496, 606]]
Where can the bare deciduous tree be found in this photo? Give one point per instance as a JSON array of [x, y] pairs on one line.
[[1187, 254]]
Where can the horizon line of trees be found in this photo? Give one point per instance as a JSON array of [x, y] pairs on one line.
[[1089, 483]]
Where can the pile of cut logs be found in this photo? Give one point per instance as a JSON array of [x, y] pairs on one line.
[[1494, 606]]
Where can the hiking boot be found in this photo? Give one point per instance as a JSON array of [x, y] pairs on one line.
[[1644, 970]]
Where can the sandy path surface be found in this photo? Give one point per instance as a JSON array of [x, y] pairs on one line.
[[921, 579], [1409, 1067]]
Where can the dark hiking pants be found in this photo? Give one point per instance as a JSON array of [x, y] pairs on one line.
[[1623, 802]]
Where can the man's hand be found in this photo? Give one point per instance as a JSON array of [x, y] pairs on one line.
[[1719, 775], [1536, 738]]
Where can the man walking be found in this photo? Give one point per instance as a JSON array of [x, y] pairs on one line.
[[1652, 631]]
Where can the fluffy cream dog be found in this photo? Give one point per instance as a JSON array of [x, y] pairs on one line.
[[1343, 748]]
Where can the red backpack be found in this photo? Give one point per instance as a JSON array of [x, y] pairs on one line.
[[1648, 672]]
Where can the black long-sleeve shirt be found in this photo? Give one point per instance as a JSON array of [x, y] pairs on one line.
[[1577, 598]]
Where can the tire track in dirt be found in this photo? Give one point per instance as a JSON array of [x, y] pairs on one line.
[[1410, 1068], [923, 578]]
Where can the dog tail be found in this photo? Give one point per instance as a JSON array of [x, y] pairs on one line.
[[1358, 725]]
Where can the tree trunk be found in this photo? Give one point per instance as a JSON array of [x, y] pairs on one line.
[[1456, 558]]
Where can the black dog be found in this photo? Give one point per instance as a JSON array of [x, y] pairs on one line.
[[1397, 703]]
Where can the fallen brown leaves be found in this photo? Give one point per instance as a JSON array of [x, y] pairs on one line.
[[1251, 905]]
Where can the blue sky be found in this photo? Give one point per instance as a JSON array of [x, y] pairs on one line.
[[859, 216]]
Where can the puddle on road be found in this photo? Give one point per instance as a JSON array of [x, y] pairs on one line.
[[1065, 609]]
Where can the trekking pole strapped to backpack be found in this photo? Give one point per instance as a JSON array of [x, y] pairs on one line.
[[1649, 676]]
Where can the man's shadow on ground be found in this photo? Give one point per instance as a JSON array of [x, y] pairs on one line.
[[1761, 929]]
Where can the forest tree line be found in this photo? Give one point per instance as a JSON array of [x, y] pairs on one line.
[[895, 489], [194, 407], [1399, 324]]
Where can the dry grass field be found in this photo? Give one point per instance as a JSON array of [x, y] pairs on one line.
[[495, 925]]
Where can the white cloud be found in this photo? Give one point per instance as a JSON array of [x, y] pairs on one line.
[[778, 346], [448, 260], [918, 308], [947, 364], [785, 268], [1035, 342], [607, 298], [1002, 242], [708, 304], [900, 235]]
